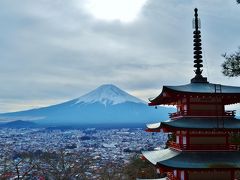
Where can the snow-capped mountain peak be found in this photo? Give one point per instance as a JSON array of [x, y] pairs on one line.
[[108, 94]]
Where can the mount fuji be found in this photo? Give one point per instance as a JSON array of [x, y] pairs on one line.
[[108, 95], [106, 104]]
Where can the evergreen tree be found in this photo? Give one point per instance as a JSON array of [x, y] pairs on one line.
[[231, 66]]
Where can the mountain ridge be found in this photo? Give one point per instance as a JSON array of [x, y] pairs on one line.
[[105, 104], [108, 94]]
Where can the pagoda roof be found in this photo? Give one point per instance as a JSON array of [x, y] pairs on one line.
[[205, 88], [153, 179], [194, 159], [197, 123], [159, 155]]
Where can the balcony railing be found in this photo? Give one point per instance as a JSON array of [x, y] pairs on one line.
[[199, 147], [202, 113], [177, 114]]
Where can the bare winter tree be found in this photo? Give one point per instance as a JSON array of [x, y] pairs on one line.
[[19, 167], [112, 171], [23, 168], [59, 165], [63, 165]]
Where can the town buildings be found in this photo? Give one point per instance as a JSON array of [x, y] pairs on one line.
[[93, 149]]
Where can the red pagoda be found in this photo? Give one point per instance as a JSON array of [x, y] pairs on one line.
[[204, 137]]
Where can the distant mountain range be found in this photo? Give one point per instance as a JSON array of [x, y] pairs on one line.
[[106, 104], [19, 124]]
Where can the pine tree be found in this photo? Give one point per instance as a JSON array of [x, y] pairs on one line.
[[231, 66]]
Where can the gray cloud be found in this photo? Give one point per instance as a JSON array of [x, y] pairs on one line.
[[52, 51]]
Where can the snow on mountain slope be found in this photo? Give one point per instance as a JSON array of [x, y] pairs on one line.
[[108, 94], [106, 104]]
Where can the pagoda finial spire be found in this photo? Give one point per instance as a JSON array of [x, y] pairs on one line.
[[197, 49]]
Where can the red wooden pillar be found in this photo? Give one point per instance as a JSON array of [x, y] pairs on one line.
[[232, 175], [186, 175], [188, 140], [188, 106], [227, 140]]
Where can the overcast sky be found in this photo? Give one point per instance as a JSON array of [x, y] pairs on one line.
[[53, 51]]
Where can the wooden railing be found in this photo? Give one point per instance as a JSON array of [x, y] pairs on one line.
[[179, 113], [202, 113], [199, 147]]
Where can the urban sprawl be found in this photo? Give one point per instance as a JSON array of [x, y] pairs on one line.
[[87, 151]]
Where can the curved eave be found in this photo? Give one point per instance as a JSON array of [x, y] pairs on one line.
[[163, 98], [169, 94], [171, 159], [155, 127], [203, 123], [203, 160], [153, 179], [208, 88], [159, 155], [196, 123]]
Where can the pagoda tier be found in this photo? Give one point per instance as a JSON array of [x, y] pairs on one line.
[[196, 123], [171, 159], [199, 99], [204, 92], [207, 165]]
